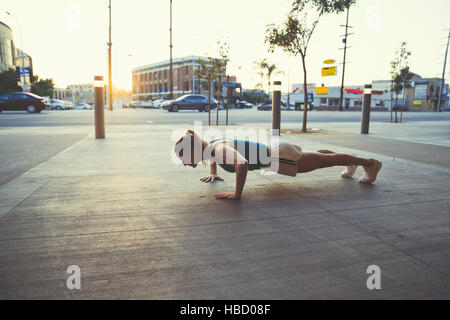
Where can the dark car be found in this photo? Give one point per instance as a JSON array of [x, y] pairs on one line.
[[188, 102], [22, 101], [265, 107], [243, 105]]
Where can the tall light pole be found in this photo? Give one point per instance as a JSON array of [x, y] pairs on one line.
[[344, 62], [109, 63], [22, 55], [443, 76], [171, 46]]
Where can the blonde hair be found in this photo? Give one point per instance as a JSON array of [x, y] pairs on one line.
[[191, 135]]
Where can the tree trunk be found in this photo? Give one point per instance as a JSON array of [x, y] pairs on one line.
[[305, 111], [218, 102], [396, 104], [228, 97], [262, 87], [392, 97], [403, 102], [209, 101]]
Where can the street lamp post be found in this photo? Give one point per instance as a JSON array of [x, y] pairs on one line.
[[109, 63], [171, 63], [22, 55], [276, 108], [99, 108], [365, 117], [443, 77]]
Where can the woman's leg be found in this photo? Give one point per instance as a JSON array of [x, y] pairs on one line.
[[316, 160]]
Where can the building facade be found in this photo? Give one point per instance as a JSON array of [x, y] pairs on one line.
[[425, 95], [81, 93], [328, 98], [61, 94], [152, 81], [7, 48], [422, 95]]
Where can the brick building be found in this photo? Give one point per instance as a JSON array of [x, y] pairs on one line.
[[153, 81]]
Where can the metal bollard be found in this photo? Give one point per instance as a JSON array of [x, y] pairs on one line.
[[365, 117], [99, 108], [276, 108]]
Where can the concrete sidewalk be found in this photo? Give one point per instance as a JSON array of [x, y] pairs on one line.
[[140, 227]]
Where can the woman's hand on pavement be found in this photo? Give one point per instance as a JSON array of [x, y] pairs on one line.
[[211, 178], [227, 195]]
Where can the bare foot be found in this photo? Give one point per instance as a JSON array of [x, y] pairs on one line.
[[371, 172]]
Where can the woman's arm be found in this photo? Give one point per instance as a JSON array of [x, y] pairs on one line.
[[213, 174], [232, 157], [241, 176]]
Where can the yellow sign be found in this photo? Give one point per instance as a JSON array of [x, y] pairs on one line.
[[322, 90], [329, 61], [417, 102], [330, 71]]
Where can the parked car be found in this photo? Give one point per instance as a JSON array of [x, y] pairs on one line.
[[82, 106], [69, 104], [242, 105], [265, 107], [157, 103], [188, 102], [250, 105], [146, 104], [134, 104], [56, 104], [22, 101]]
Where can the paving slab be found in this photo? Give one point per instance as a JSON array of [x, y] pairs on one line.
[[140, 227]]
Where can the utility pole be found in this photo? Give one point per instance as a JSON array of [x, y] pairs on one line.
[[443, 76], [289, 90], [109, 63], [171, 46], [344, 62], [228, 97]]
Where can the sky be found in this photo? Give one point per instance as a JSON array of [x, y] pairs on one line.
[[67, 39]]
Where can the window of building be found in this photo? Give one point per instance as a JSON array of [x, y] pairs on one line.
[[333, 102], [187, 69]]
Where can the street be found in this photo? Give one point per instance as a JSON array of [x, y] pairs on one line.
[[141, 116]]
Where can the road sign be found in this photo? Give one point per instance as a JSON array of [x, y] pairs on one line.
[[310, 97], [298, 88], [322, 90], [24, 71], [329, 61], [329, 71]]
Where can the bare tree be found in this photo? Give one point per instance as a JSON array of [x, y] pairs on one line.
[[400, 77], [206, 72], [295, 34]]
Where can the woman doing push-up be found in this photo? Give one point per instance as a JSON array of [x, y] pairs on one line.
[[240, 156]]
